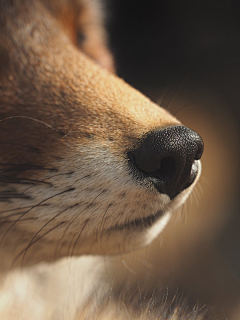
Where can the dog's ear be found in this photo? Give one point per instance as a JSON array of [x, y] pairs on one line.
[[91, 36], [83, 22]]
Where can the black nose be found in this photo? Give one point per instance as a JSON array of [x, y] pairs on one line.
[[168, 158]]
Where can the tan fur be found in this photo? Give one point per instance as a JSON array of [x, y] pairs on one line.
[[81, 118], [66, 125], [154, 311]]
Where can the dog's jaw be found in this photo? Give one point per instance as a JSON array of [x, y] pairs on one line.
[[97, 207], [66, 128]]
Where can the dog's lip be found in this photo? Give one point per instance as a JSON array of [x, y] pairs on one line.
[[140, 223]]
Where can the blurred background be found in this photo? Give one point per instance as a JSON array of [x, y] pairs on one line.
[[186, 57]]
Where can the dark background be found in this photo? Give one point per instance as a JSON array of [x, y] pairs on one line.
[[158, 43], [167, 48]]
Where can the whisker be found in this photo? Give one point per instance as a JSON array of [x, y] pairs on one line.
[[9, 195], [79, 235], [10, 221], [33, 119], [36, 234], [26, 167], [18, 180], [65, 231], [39, 238], [15, 214], [182, 83], [203, 178], [84, 225], [88, 175], [101, 227], [43, 181], [123, 261], [143, 262], [70, 133], [162, 97], [184, 107], [68, 190]]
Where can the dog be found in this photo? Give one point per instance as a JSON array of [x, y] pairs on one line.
[[89, 166]]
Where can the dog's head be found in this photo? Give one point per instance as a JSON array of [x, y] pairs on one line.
[[88, 164]]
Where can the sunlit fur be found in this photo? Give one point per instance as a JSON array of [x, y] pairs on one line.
[[66, 125]]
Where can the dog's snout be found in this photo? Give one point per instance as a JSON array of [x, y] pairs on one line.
[[168, 157]]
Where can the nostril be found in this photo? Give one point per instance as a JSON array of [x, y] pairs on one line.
[[200, 149], [161, 168], [167, 169], [192, 176]]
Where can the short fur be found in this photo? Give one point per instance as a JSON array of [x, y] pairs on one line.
[[66, 125]]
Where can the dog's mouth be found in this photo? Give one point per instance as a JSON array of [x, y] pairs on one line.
[[140, 223], [143, 223]]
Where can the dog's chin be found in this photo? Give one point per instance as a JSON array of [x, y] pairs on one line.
[[137, 233], [128, 237], [118, 239], [142, 231]]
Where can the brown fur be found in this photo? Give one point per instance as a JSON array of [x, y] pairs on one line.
[[53, 99], [66, 125]]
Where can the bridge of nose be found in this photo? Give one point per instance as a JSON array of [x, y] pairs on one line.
[[122, 107]]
